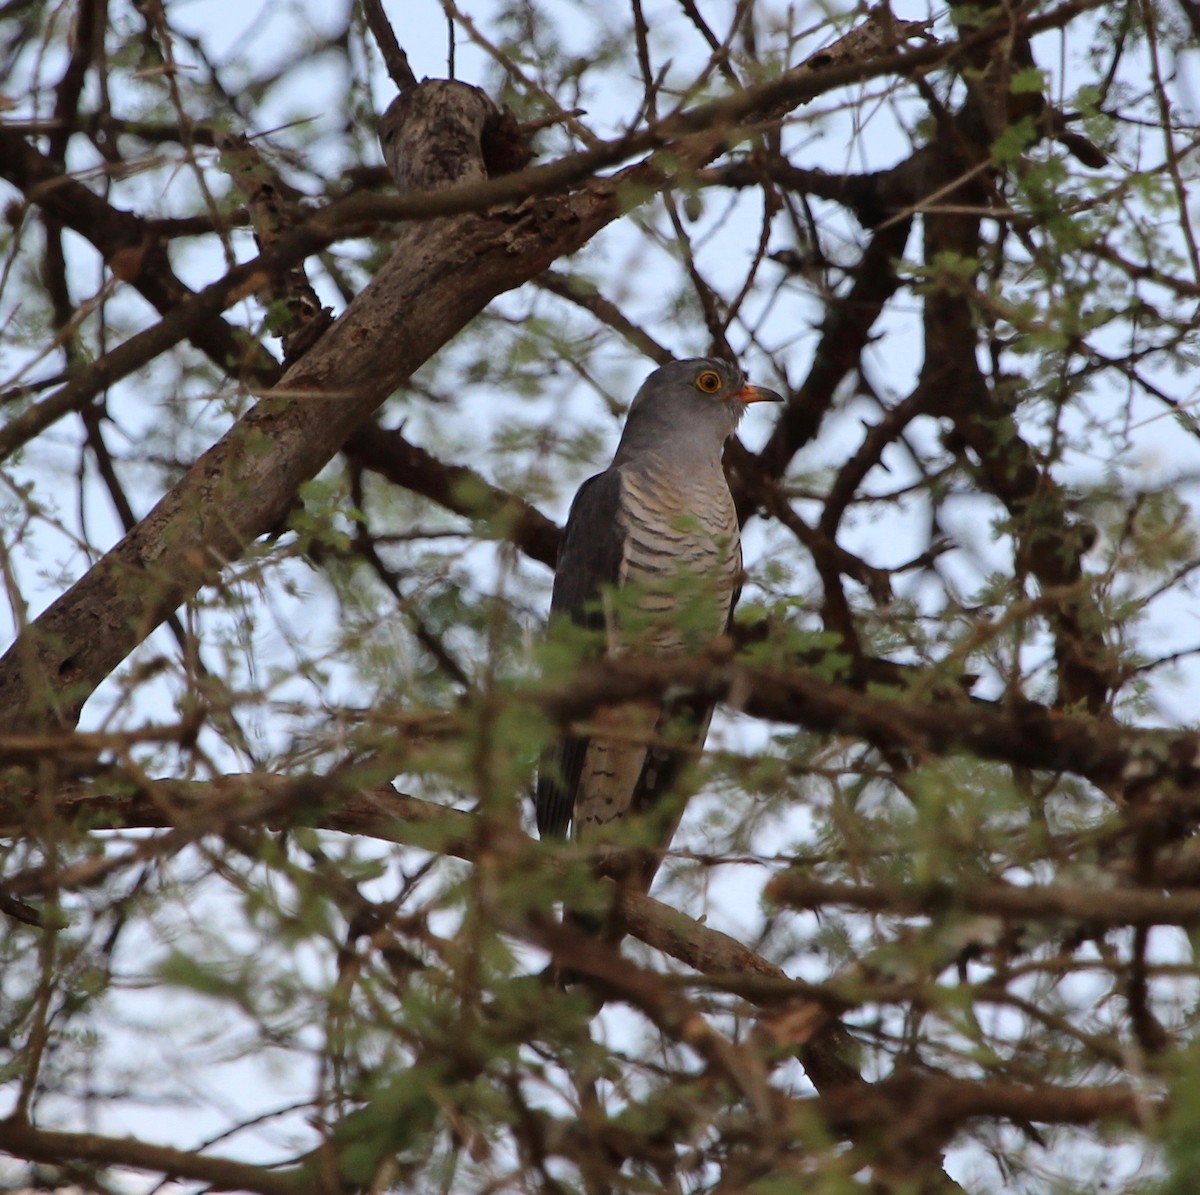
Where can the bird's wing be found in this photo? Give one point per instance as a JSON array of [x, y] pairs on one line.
[[588, 560]]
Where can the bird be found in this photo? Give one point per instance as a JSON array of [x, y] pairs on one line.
[[660, 524]]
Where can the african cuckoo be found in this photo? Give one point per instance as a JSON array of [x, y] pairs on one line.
[[651, 557]]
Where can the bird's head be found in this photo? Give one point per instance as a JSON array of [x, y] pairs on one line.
[[694, 404]]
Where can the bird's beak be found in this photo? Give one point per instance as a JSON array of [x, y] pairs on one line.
[[749, 394]]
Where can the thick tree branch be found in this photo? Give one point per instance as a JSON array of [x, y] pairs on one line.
[[1107, 907], [1117, 758], [23, 1140], [456, 488], [916, 1114], [393, 54]]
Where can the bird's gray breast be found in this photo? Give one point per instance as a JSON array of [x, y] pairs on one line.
[[681, 549], [652, 555], [679, 568]]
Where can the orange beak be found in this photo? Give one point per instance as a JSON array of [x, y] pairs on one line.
[[749, 394]]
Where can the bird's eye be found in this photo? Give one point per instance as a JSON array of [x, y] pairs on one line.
[[709, 381]]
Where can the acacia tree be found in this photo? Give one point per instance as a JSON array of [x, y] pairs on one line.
[[285, 436]]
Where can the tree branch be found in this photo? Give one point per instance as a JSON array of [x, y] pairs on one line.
[[23, 1140], [457, 488], [1107, 906]]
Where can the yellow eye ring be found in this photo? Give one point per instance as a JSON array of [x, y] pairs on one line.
[[709, 381]]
